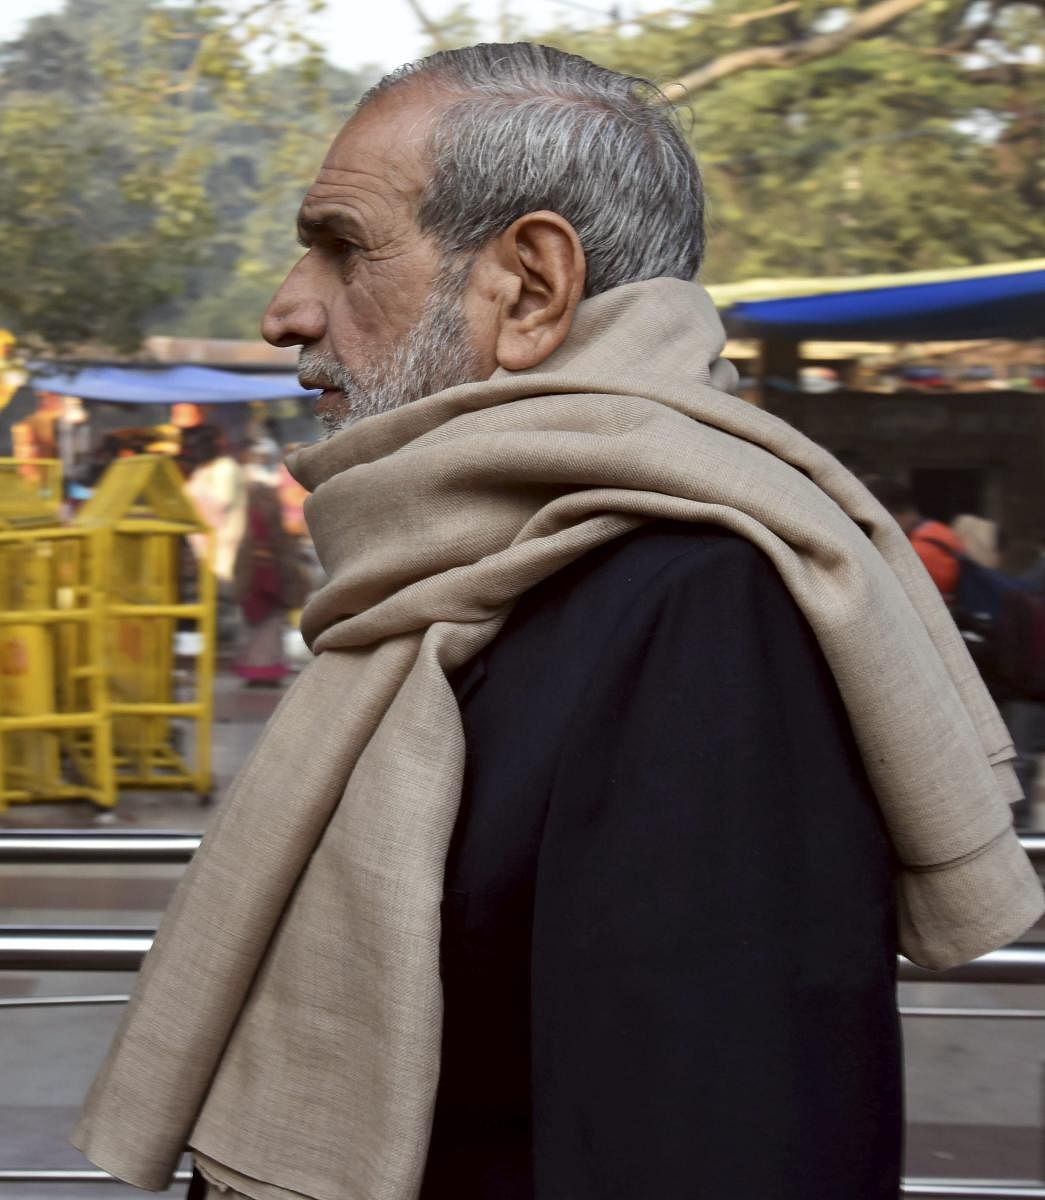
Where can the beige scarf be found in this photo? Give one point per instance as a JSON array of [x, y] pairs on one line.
[[287, 1022]]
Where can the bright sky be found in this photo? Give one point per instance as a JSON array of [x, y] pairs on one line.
[[386, 32]]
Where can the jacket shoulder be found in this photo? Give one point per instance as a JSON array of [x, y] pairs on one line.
[[676, 577], [642, 566]]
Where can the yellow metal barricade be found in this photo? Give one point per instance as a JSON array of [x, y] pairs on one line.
[[30, 492], [142, 515], [27, 690], [55, 734]]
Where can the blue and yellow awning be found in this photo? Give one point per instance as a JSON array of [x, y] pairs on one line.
[[1002, 300]]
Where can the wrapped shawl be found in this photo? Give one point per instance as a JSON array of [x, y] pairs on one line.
[[287, 1021]]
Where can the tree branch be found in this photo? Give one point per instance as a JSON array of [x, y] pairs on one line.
[[430, 27], [792, 54], [733, 22], [777, 10], [1013, 73]]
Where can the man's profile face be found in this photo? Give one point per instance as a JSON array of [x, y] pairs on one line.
[[375, 310]]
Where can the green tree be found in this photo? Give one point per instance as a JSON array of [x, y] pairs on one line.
[[136, 139], [843, 138]]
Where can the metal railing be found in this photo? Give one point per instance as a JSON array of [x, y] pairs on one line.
[[941, 1190], [44, 948], [73, 948], [115, 846], [80, 1176], [122, 948], [936, 1189], [983, 1189], [108, 848]]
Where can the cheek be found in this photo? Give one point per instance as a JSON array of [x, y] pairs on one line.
[[372, 311], [355, 327]]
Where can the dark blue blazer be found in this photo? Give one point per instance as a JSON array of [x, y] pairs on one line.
[[669, 945]]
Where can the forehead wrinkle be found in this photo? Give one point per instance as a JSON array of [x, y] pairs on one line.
[[373, 194], [373, 172], [352, 200], [378, 168], [391, 130], [379, 146]]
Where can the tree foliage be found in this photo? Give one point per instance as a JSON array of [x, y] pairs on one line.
[[153, 156], [155, 150], [844, 138]]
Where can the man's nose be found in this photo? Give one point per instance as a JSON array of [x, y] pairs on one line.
[[296, 315]]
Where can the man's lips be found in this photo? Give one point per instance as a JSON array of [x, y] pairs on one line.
[[327, 397]]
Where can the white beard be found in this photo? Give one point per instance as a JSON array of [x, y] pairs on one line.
[[436, 354]]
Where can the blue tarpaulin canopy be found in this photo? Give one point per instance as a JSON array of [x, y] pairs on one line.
[[167, 385], [1009, 304]]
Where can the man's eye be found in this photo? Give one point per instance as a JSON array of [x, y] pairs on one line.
[[345, 248]]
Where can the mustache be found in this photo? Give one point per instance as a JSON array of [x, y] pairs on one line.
[[319, 369]]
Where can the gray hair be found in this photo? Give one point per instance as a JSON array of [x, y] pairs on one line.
[[536, 128]]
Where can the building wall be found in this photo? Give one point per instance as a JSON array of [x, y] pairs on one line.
[[994, 438]]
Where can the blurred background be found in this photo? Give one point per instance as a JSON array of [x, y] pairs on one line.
[[876, 182]]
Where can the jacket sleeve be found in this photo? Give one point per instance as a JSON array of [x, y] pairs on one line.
[[714, 932]]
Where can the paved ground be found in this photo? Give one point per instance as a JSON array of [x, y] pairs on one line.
[[975, 1088], [48, 1056]]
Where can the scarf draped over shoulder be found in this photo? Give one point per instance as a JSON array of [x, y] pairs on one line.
[[287, 1022]]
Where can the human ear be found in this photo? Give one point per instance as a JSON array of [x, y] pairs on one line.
[[542, 255]]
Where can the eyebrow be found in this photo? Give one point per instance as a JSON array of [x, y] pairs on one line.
[[325, 225]]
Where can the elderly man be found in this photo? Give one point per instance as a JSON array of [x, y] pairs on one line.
[[574, 866]]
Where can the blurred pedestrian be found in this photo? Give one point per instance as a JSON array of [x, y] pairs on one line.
[[978, 537], [292, 497], [936, 544], [941, 549], [268, 577], [1025, 717], [262, 461], [217, 486]]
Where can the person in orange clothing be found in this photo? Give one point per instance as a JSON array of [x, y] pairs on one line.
[[929, 539], [935, 543], [292, 497]]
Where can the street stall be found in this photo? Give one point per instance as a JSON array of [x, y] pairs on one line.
[[134, 407], [964, 451]]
